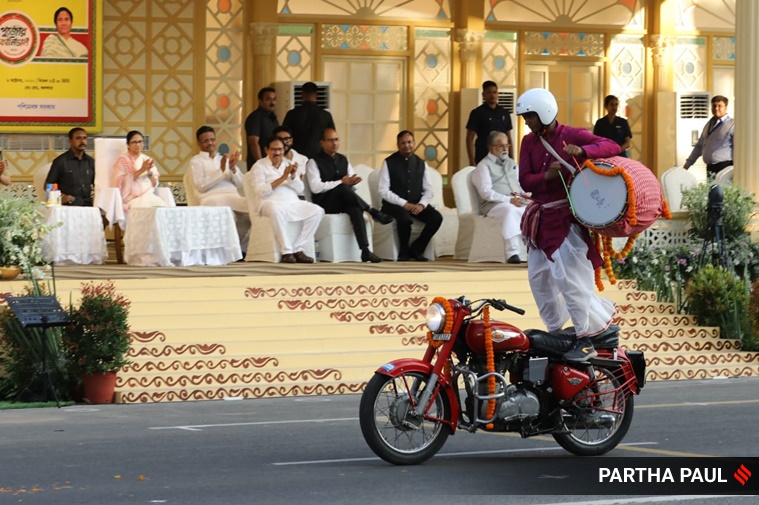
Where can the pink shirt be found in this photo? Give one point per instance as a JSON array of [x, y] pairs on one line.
[[535, 160]]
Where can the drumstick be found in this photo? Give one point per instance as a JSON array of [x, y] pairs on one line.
[[587, 182]]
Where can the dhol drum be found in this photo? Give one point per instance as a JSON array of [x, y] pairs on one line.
[[616, 197]]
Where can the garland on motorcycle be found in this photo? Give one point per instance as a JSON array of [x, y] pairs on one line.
[[511, 381]]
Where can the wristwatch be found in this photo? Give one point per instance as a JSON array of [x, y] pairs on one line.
[[72, 199]]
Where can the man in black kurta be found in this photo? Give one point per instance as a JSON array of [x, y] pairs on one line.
[[406, 195], [332, 182], [74, 171]]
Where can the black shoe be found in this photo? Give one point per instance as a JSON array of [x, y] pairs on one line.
[[380, 217], [514, 260], [402, 257], [367, 255], [583, 350], [420, 257]]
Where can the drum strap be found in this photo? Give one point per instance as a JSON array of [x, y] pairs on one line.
[[531, 220]]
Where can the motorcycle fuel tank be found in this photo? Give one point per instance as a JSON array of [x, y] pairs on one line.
[[506, 338]]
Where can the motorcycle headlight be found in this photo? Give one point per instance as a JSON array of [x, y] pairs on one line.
[[435, 318]]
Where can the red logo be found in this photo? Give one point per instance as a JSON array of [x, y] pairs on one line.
[[19, 38], [742, 475]]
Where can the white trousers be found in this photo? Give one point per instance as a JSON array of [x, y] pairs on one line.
[[510, 217], [299, 211], [564, 288]]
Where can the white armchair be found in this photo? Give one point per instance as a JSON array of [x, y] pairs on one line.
[[385, 235], [725, 176], [108, 197], [445, 238], [262, 244], [480, 237], [39, 180], [335, 236], [673, 181]]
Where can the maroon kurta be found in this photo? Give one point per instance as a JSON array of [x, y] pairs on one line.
[[535, 160]]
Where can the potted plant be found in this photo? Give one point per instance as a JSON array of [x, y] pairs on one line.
[[96, 343], [22, 229]]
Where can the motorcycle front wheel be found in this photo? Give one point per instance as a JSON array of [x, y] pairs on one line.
[[601, 418], [391, 425]]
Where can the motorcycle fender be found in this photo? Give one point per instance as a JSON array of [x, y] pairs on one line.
[[400, 366]]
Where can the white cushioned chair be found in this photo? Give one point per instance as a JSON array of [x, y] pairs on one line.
[[725, 176], [335, 237], [262, 244], [108, 197], [673, 181], [385, 236], [479, 238], [445, 238]]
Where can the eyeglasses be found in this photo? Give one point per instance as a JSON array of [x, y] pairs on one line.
[[276, 149], [504, 146], [208, 141], [136, 141], [285, 139]]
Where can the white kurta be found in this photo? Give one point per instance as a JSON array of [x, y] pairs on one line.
[[56, 46], [282, 204], [507, 213], [215, 187]]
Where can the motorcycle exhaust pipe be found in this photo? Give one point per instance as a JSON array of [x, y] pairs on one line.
[[604, 420]]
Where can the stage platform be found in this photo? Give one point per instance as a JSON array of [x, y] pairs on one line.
[[269, 330]]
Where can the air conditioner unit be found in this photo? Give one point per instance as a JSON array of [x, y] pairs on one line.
[[289, 95], [472, 98], [692, 113]]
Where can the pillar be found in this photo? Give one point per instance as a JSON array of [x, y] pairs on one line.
[[746, 144], [469, 42]]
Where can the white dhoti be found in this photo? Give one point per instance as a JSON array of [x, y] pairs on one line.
[[510, 217], [282, 212], [564, 288]]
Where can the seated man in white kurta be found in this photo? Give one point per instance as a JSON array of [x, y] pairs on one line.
[[496, 178], [218, 182], [277, 184]]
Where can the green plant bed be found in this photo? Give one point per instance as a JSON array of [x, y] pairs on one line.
[[32, 405]]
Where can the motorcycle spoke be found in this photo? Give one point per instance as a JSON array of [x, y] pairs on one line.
[[394, 423]]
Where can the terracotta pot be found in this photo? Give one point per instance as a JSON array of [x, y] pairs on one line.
[[9, 273], [99, 387]]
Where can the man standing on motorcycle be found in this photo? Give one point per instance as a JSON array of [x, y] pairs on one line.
[[561, 254]]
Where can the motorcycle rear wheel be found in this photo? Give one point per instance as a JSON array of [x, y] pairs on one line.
[[391, 430], [598, 430]]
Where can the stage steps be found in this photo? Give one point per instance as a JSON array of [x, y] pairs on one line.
[[203, 338]]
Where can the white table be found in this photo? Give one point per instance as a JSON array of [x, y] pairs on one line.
[[79, 240], [181, 236]]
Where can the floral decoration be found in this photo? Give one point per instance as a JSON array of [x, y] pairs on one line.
[[22, 229]]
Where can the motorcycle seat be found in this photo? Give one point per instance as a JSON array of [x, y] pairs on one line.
[[557, 343]]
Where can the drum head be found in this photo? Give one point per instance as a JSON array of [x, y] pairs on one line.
[[598, 200]]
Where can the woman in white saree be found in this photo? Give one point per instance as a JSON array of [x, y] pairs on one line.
[[136, 176], [62, 44]]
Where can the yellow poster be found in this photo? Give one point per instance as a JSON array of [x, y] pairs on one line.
[[50, 66]]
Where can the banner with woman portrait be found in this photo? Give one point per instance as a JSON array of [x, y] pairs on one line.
[[50, 65]]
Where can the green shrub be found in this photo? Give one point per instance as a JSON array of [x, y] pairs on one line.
[[717, 297], [736, 214]]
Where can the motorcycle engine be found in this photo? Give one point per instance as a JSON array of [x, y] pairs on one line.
[[517, 405]]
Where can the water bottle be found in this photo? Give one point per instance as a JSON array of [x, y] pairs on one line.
[[316, 251], [55, 195], [48, 190]]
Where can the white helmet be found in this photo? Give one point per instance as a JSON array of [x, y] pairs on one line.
[[538, 100]]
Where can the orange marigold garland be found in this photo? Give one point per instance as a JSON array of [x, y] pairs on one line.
[[631, 213], [446, 329], [607, 249], [490, 364]]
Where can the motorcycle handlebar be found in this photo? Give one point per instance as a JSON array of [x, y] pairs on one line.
[[502, 305]]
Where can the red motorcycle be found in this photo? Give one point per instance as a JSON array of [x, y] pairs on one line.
[[512, 381]]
